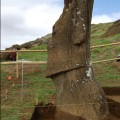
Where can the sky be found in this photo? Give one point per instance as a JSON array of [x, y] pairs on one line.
[[27, 20]]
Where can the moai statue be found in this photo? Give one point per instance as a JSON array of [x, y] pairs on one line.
[[79, 97]]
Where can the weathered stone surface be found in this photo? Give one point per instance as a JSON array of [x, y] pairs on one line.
[[69, 46], [78, 93]]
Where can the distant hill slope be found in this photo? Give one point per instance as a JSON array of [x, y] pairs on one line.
[[32, 43], [103, 30], [113, 29], [97, 31]]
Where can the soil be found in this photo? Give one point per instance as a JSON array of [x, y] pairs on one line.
[[47, 112], [116, 64], [112, 30]]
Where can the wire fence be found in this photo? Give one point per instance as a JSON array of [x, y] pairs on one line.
[[24, 84]]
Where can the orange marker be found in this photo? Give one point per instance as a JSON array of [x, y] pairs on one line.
[[9, 77]]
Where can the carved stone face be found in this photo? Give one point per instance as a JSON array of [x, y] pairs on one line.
[[70, 34]]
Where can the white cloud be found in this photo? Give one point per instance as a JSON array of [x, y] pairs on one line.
[[25, 20], [42, 17], [105, 18], [21, 24]]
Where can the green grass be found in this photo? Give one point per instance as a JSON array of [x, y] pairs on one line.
[[105, 52], [32, 56], [100, 29], [107, 74], [19, 100], [35, 56], [41, 47], [20, 103]]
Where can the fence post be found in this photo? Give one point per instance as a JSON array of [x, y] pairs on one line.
[[22, 67], [17, 67], [22, 71]]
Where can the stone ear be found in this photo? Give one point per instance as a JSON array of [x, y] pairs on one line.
[[79, 33]]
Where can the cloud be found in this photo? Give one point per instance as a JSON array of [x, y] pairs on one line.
[[105, 18], [22, 24], [26, 20], [42, 17]]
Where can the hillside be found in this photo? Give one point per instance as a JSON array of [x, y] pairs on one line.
[[37, 88], [103, 33], [33, 43], [102, 30], [100, 34]]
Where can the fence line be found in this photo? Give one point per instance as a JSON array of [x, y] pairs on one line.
[[17, 58], [104, 45], [107, 60], [45, 62], [24, 51], [25, 62]]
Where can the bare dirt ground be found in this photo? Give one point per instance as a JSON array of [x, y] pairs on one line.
[[47, 112], [113, 98]]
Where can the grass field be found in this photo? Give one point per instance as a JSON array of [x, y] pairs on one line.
[[17, 101]]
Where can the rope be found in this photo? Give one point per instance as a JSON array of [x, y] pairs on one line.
[[45, 62], [104, 45]]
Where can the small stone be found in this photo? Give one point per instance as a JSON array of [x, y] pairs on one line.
[[83, 82], [78, 12], [83, 25], [81, 18], [77, 24], [100, 96], [66, 9]]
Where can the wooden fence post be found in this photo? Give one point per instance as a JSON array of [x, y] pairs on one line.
[[17, 66]]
